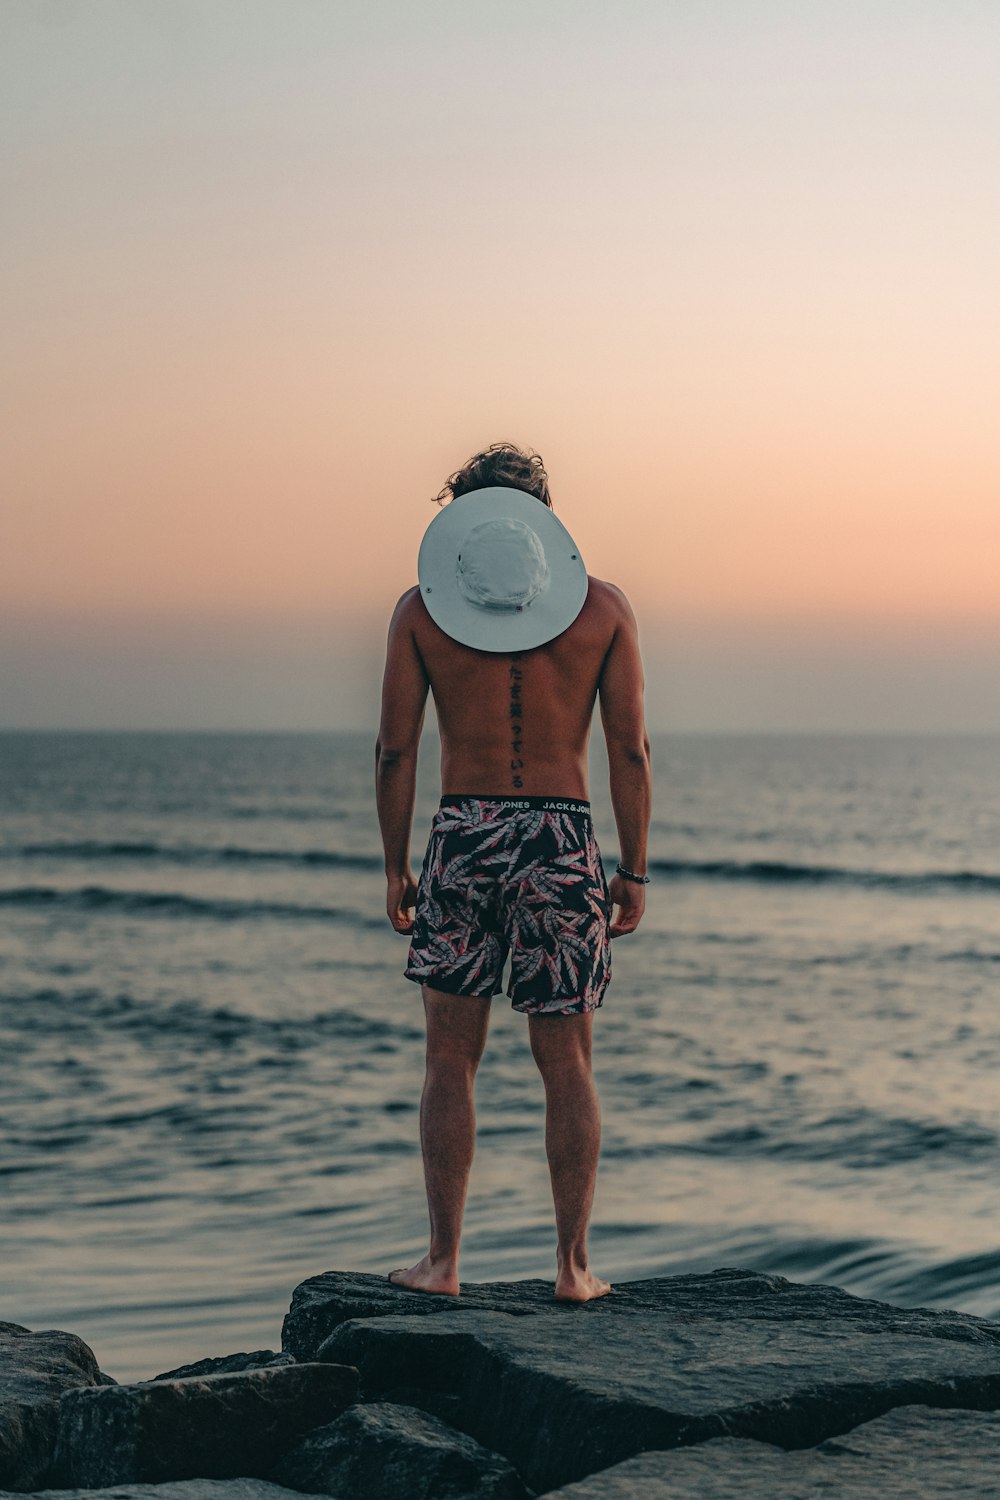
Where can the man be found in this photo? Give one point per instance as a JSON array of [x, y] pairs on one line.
[[516, 642]]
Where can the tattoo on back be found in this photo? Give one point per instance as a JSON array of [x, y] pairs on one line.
[[516, 715]]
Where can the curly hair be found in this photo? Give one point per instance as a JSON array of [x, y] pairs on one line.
[[499, 464]]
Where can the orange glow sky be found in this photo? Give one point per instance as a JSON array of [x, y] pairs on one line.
[[273, 270]]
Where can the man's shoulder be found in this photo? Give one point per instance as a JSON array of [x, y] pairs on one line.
[[409, 605], [608, 598]]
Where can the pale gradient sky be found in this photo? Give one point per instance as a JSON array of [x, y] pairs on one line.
[[275, 267]]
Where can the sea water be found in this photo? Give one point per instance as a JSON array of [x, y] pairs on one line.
[[210, 1063]]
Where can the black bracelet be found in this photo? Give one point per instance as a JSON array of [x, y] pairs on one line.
[[630, 875]]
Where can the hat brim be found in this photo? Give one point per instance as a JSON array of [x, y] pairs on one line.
[[486, 629]]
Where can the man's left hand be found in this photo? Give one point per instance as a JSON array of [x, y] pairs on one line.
[[630, 900], [400, 900]]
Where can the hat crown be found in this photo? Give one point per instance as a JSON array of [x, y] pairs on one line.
[[499, 572], [502, 565]]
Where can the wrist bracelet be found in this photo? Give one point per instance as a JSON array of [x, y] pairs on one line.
[[631, 875]]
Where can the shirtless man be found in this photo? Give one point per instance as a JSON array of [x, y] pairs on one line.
[[514, 728]]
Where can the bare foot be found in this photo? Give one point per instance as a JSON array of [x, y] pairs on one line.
[[575, 1285], [428, 1276]]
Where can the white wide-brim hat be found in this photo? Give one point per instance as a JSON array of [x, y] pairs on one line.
[[500, 572]]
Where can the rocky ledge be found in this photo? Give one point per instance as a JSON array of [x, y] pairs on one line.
[[731, 1383]]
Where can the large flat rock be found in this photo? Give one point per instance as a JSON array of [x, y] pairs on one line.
[[209, 1426], [914, 1451], [182, 1489], [36, 1369], [566, 1393], [322, 1303]]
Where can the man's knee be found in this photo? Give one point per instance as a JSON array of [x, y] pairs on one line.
[[561, 1044], [453, 1053]]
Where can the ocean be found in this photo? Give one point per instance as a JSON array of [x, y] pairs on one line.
[[211, 1063]]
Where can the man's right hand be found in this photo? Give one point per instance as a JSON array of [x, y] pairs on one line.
[[630, 899], [401, 898]]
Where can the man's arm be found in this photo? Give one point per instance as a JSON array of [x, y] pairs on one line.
[[404, 698], [621, 697]]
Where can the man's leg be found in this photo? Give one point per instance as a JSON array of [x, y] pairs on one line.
[[457, 1026], [561, 1046]]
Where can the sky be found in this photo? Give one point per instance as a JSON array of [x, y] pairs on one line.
[[274, 268]]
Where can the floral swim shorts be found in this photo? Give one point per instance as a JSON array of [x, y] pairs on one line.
[[517, 875]]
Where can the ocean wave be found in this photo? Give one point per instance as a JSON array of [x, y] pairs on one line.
[[95, 850], [90, 898], [781, 872], [859, 1139], [904, 1274], [755, 871], [960, 1281], [84, 1008]]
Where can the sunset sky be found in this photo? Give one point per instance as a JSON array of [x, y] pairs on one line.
[[274, 268]]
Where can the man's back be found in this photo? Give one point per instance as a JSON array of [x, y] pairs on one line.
[[519, 723]]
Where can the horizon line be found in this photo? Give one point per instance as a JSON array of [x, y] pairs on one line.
[[734, 732]]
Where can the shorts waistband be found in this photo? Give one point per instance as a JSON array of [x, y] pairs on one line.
[[572, 805]]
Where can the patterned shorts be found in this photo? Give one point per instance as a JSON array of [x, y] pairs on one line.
[[521, 875]]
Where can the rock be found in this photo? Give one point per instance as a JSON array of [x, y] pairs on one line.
[[913, 1450], [35, 1370], [576, 1389], [689, 1385], [228, 1364], [180, 1489], [322, 1303], [383, 1451], [204, 1426]]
